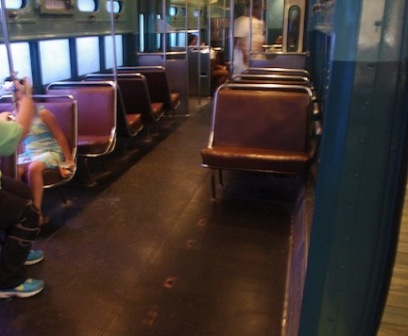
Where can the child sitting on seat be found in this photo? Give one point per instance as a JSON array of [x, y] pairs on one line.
[[45, 146]]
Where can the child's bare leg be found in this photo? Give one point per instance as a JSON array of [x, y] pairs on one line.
[[36, 182]]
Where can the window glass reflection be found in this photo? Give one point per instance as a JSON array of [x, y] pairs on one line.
[[21, 60], [87, 55], [293, 28], [87, 5], [109, 51], [13, 4], [55, 62], [117, 5]]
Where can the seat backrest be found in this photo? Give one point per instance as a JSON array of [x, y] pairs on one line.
[[65, 110], [273, 117], [157, 83], [278, 71], [134, 92], [96, 105], [271, 79]]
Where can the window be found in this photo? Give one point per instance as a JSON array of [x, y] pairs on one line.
[[142, 32], [88, 5], [54, 60], [20, 52], [173, 40], [14, 4], [198, 12], [87, 55], [158, 38], [117, 6], [109, 51], [177, 40], [173, 11], [293, 28]]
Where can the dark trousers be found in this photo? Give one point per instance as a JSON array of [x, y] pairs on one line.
[[19, 224]]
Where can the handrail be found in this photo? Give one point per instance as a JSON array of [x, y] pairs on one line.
[[160, 53]]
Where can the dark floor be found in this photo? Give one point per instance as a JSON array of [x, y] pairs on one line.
[[146, 251]]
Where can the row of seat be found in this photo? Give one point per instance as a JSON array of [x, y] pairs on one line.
[[103, 109], [123, 104], [265, 121], [65, 111]]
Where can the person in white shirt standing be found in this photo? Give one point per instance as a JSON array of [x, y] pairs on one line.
[[249, 36]]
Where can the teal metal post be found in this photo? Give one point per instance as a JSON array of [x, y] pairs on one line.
[[362, 173]]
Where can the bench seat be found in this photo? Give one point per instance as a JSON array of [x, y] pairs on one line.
[[158, 85], [134, 99], [261, 127]]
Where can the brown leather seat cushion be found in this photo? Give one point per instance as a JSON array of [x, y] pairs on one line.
[[255, 159], [134, 121], [93, 144]]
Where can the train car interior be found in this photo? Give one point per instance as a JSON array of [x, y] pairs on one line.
[[269, 202]]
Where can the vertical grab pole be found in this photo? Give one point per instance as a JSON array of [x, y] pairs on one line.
[[6, 38], [112, 21], [231, 35], [163, 32], [199, 53]]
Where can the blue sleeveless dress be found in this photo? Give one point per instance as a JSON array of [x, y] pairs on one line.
[[40, 145]]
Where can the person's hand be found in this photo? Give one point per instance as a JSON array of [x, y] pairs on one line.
[[4, 116], [72, 165], [23, 87], [67, 168]]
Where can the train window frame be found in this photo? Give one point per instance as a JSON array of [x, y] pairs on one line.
[[117, 6], [87, 4]]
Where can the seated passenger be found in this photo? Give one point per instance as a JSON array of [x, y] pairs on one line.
[[219, 73], [19, 218], [45, 146], [192, 39]]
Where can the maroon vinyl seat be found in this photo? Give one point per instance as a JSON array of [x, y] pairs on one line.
[[64, 108], [96, 114], [261, 127], [135, 97], [277, 71], [158, 85], [96, 102]]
